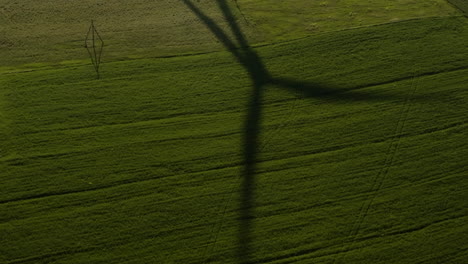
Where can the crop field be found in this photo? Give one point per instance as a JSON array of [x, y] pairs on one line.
[[234, 132]]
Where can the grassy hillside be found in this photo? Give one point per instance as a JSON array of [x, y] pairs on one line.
[[37, 32], [360, 154]]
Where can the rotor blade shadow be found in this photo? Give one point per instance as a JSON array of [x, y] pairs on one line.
[[328, 93], [216, 30], [260, 77]]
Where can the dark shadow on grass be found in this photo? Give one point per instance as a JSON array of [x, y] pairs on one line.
[[323, 92], [260, 77]]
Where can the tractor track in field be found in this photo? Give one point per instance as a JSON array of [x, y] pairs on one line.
[[303, 253], [383, 172], [362, 195], [241, 13], [357, 87], [111, 147], [447, 258], [286, 121], [433, 179], [460, 5], [229, 166], [298, 154], [169, 56], [210, 246], [74, 251], [202, 113], [49, 257]]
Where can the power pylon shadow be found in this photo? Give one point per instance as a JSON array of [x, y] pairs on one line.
[[94, 45], [260, 77]]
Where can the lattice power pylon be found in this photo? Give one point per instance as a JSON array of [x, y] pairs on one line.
[[94, 45]]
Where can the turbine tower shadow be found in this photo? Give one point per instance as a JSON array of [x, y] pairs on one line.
[[260, 77]]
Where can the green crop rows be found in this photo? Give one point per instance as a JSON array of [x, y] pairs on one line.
[[357, 144]]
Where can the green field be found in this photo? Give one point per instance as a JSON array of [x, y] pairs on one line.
[[38, 32], [256, 132]]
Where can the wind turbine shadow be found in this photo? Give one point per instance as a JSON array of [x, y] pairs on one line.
[[324, 92], [260, 77]]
